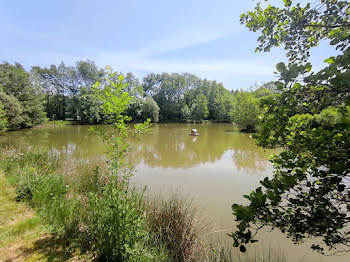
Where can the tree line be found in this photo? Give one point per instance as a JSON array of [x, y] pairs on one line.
[[60, 92]]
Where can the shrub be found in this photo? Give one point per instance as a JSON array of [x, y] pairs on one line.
[[114, 219]]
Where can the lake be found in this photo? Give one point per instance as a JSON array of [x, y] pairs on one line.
[[216, 168]]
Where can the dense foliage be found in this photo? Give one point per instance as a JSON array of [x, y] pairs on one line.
[[309, 117], [3, 119], [21, 101], [246, 111], [199, 108], [62, 92], [62, 86], [178, 96]]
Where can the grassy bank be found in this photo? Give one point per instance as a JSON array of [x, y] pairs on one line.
[[59, 210], [85, 208], [23, 236], [56, 123]]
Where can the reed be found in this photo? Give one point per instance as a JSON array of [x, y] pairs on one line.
[[178, 224]]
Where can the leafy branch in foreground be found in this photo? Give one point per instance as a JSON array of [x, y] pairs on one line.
[[116, 101], [309, 194], [300, 27], [116, 212]]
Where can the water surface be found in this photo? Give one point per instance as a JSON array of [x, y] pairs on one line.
[[216, 168]]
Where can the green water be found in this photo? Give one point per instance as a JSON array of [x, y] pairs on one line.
[[216, 168]]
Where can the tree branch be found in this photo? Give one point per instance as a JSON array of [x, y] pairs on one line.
[[329, 26]]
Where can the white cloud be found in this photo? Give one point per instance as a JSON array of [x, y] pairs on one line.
[[133, 61], [186, 38], [149, 58]]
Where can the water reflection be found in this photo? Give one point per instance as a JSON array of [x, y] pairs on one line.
[[167, 145], [217, 167]]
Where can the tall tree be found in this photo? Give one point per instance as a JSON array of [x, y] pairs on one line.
[[185, 113], [62, 85], [221, 103], [308, 196], [89, 107], [168, 92], [246, 111], [199, 109], [17, 86], [140, 109], [134, 87], [50, 80], [150, 110], [13, 111], [88, 73]]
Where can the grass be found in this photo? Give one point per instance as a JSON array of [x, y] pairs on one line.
[[9, 211], [18, 226], [16, 219], [225, 253], [22, 235], [29, 228], [178, 224], [92, 215], [56, 123]]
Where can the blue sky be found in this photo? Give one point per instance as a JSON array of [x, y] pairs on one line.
[[200, 37]]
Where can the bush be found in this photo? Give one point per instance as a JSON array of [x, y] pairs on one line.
[[114, 219]]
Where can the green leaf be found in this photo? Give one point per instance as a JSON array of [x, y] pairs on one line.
[[308, 67], [330, 60], [281, 67]]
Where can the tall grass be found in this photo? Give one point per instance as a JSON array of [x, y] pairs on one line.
[[95, 210], [225, 253], [178, 224], [106, 216]]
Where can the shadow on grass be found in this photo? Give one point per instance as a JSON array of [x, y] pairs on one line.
[[48, 248]]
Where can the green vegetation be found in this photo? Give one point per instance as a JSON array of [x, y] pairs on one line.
[[141, 109], [21, 102], [97, 210], [171, 225], [108, 216], [22, 235], [3, 119], [199, 109], [246, 111], [310, 119], [56, 123], [61, 87], [101, 212], [94, 210], [65, 93], [174, 222]]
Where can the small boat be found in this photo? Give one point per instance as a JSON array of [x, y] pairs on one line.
[[194, 132]]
